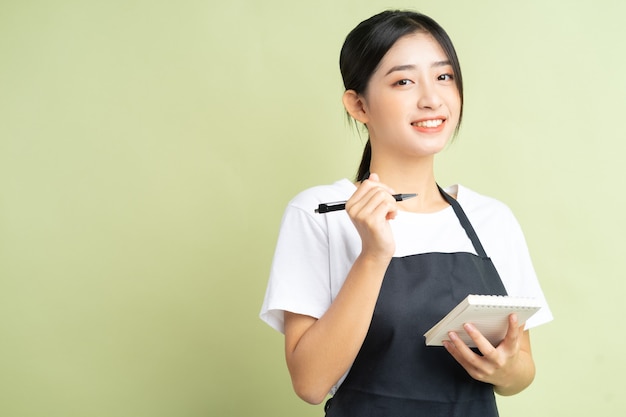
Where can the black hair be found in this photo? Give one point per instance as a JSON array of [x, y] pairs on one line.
[[366, 45]]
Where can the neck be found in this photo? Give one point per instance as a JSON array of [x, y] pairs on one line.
[[416, 176]]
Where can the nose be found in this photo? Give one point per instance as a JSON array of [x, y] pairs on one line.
[[428, 97]]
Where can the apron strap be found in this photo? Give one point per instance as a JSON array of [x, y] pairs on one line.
[[460, 214]]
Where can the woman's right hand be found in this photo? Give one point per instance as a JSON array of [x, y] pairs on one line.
[[370, 208]]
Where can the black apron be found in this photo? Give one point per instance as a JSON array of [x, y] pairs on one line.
[[395, 374]]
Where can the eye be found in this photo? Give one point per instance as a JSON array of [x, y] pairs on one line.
[[445, 77], [403, 82]]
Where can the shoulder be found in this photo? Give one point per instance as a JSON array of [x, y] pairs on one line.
[[300, 216], [310, 198], [496, 226], [492, 219], [480, 207], [303, 268]]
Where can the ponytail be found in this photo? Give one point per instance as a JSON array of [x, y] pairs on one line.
[[366, 159]]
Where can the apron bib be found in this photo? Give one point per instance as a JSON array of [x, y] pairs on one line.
[[395, 374]]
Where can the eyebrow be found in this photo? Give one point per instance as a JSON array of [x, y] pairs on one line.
[[407, 67]]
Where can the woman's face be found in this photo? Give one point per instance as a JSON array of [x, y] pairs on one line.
[[412, 105]]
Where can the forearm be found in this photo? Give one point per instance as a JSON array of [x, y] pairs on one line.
[[320, 351]]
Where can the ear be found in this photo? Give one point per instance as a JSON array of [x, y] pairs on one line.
[[355, 106]]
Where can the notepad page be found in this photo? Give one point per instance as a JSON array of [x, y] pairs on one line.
[[489, 314]]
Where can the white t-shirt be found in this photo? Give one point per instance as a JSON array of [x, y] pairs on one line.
[[315, 252]]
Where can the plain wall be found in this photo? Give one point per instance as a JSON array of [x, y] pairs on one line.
[[148, 149]]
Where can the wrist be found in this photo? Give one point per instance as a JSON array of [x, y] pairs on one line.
[[374, 260]]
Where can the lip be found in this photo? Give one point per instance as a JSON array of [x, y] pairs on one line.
[[430, 129]]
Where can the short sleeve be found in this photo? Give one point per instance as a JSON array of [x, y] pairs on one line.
[[511, 257], [524, 280], [504, 241], [299, 279]]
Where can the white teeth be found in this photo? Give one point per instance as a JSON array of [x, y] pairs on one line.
[[429, 123]]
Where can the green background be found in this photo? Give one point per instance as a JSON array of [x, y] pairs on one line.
[[148, 149]]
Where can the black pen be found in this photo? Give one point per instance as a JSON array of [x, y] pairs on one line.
[[341, 205]]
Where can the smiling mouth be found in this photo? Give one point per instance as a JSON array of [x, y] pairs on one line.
[[428, 123]]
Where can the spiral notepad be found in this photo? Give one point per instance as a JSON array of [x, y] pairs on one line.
[[488, 313]]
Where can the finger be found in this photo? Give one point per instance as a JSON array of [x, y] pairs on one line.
[[482, 343], [373, 212], [363, 194], [466, 357], [375, 179], [371, 199], [477, 366], [461, 352], [452, 350], [388, 207], [513, 332]]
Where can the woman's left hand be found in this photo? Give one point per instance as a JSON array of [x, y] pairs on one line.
[[509, 366]]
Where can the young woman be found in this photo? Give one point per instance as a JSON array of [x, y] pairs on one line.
[[355, 290]]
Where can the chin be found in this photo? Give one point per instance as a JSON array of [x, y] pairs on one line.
[[431, 149]]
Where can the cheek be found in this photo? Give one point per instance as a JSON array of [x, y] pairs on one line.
[[454, 105], [382, 109], [396, 107]]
